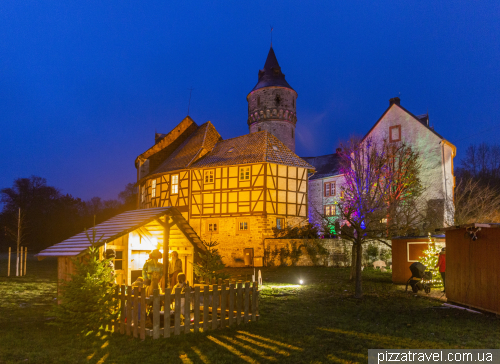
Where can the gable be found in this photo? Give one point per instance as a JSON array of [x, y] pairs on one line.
[[165, 146], [398, 121]]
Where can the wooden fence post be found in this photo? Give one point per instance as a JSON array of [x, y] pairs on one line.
[[215, 301], [254, 301], [238, 303], [177, 313], [129, 310], [187, 311], [231, 304], [247, 301], [25, 255], [21, 263], [116, 298], [8, 264], [143, 314], [123, 312], [136, 311], [206, 292], [196, 301], [156, 314], [223, 305], [166, 314]]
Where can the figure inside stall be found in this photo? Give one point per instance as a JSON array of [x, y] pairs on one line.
[[111, 254], [152, 268], [175, 268]]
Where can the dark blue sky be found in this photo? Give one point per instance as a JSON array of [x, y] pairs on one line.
[[83, 86]]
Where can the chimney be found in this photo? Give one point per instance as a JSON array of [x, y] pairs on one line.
[[395, 100]]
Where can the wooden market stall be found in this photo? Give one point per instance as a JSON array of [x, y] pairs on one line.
[[406, 250], [133, 235], [473, 265]]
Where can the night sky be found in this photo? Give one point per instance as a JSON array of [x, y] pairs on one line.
[[84, 86]]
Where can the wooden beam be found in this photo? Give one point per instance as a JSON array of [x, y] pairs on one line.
[[166, 247], [165, 224]]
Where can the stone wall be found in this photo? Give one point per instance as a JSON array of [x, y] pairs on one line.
[[232, 241]]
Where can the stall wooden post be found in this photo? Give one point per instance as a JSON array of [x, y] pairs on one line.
[[177, 311], [25, 255], [166, 247], [215, 301], [142, 329], [187, 311], [206, 292], [8, 265], [223, 305]]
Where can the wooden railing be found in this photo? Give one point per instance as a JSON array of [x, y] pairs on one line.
[[213, 307]]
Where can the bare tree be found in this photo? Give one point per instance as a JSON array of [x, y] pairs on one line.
[[476, 202]]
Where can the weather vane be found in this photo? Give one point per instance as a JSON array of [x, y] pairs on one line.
[[190, 92]]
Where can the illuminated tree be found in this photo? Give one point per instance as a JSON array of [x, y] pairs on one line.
[[380, 191], [430, 259]]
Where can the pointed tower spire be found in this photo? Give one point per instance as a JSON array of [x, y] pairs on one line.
[[271, 103]]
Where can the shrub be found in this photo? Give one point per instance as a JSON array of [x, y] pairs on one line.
[[87, 298], [210, 265]]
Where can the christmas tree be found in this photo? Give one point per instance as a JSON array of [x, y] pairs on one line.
[[430, 259]]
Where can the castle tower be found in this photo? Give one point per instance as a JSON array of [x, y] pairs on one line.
[[271, 103]]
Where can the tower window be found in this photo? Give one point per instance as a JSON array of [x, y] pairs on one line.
[[259, 129], [277, 100], [258, 100], [293, 102]]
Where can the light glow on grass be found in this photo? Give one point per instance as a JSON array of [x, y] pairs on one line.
[[232, 350], [270, 340], [266, 346], [202, 356], [249, 348], [184, 358], [289, 286], [103, 359]]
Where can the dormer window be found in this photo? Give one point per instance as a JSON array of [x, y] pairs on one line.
[[230, 150], [275, 147]]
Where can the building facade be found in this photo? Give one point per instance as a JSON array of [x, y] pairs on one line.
[[396, 124]]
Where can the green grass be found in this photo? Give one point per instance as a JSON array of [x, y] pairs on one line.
[[319, 322]]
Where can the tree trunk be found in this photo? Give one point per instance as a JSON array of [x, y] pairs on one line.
[[353, 262], [358, 293]]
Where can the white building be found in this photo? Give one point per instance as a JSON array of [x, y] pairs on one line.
[[395, 124]]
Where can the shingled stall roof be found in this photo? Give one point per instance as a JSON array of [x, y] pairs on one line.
[[118, 226], [198, 144], [251, 148], [326, 165]]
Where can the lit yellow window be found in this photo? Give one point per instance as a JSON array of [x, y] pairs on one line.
[[143, 193], [244, 173], [280, 223], [212, 227], [243, 226], [153, 188], [330, 210], [209, 176], [175, 184]]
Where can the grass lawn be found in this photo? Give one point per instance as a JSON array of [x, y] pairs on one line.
[[318, 322]]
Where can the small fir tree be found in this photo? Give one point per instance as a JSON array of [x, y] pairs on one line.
[[87, 298], [430, 259], [210, 265]]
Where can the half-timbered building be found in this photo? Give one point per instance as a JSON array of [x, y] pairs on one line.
[[233, 191]]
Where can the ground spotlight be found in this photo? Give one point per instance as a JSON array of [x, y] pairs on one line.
[[301, 281]]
